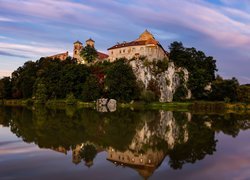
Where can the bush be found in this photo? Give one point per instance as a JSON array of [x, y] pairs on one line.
[[148, 96], [70, 99], [91, 89], [121, 82], [180, 93], [154, 87]]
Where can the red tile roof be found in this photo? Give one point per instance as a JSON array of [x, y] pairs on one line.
[[102, 56], [126, 44]]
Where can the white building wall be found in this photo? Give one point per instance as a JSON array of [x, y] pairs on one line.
[[151, 51]]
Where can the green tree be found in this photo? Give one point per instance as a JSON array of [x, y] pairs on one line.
[[40, 92], [121, 82], [224, 89], [23, 80], [70, 99], [72, 78], [88, 152], [91, 89], [201, 67], [88, 53], [5, 88], [243, 93]]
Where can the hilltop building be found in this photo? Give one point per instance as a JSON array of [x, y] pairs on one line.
[[78, 47], [61, 56], [145, 45]]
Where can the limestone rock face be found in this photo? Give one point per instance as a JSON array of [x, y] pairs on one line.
[[168, 81]]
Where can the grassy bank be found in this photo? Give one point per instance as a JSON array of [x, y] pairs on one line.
[[193, 106]]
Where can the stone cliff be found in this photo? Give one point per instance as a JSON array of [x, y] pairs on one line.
[[167, 80]]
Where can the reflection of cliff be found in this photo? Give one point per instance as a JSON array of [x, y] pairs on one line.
[[165, 129], [151, 143]]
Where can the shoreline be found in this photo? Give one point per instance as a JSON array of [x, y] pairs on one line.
[[191, 106]]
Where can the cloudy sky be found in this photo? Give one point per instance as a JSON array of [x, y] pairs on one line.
[[30, 29]]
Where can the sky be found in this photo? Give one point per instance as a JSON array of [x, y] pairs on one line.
[[30, 29]]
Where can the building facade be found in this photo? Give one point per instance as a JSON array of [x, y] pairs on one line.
[[145, 45], [61, 56]]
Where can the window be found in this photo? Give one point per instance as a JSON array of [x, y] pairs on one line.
[[75, 52], [112, 52], [120, 51], [123, 50]]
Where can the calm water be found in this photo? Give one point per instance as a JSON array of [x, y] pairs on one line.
[[84, 144]]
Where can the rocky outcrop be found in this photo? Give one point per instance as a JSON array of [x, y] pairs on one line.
[[168, 81], [105, 105]]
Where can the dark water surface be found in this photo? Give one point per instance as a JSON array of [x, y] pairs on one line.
[[73, 143]]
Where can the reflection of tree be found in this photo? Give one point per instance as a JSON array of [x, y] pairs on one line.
[[5, 116], [88, 153], [200, 143], [230, 124]]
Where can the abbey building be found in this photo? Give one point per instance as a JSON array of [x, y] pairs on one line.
[[144, 45]]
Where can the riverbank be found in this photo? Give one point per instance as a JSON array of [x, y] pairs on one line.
[[193, 106]]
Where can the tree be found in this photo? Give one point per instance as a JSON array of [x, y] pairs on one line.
[[23, 80], [89, 53], [91, 89], [224, 89], [121, 82], [72, 78], [88, 152], [40, 93], [201, 67], [243, 93], [5, 88], [70, 99]]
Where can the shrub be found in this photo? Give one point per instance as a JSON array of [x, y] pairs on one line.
[[148, 96], [70, 99], [180, 93]]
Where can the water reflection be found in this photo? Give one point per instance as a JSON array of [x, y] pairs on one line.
[[137, 139]]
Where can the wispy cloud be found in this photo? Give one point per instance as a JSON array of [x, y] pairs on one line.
[[24, 50], [5, 19]]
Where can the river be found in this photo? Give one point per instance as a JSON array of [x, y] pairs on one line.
[[71, 143]]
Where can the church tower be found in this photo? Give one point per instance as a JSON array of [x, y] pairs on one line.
[[77, 50], [90, 42]]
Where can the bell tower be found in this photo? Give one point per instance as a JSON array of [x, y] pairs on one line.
[[90, 42], [77, 49]]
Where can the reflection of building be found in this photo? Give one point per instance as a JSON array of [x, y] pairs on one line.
[[60, 149], [145, 45], [144, 163], [76, 158]]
